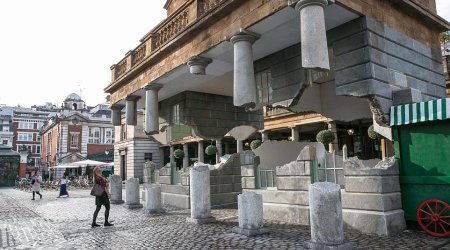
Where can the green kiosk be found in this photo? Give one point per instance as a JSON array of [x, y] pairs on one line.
[[421, 133]]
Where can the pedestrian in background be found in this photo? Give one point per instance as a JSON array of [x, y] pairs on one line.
[[101, 200], [63, 187], [36, 184]]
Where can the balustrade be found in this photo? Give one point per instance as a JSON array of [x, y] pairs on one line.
[[171, 29], [139, 54], [206, 5], [121, 68]]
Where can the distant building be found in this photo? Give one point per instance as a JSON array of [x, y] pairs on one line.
[[77, 132], [6, 132]]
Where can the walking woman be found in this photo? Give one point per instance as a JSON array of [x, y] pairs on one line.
[[63, 188], [36, 184], [101, 200]]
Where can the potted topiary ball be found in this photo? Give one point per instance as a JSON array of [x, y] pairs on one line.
[[211, 150], [178, 153], [372, 134], [255, 144], [325, 136]]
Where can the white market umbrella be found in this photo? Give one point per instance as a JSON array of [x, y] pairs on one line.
[[64, 166], [89, 163]]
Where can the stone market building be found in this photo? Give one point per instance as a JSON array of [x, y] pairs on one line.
[[76, 132], [207, 71]]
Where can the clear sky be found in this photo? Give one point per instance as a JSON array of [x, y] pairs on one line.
[[51, 48]]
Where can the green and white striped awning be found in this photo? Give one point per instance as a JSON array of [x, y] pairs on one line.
[[420, 112]]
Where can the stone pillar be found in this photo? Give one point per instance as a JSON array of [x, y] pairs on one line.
[[334, 144], [151, 125], [149, 170], [153, 199], [219, 150], [327, 226], [264, 136], [240, 146], [131, 110], [294, 134], [171, 156], [249, 163], [200, 192], [201, 152], [250, 209], [132, 197], [197, 64], [244, 87], [115, 187], [313, 34], [227, 148], [116, 115], [185, 156]]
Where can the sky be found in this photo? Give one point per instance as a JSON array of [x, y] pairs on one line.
[[51, 48]]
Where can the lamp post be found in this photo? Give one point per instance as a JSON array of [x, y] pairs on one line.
[[112, 167]]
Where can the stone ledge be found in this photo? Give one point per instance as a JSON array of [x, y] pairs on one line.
[[249, 232], [372, 184], [371, 201], [389, 223], [294, 214], [201, 221], [284, 197]]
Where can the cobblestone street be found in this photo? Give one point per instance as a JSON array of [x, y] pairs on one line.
[[64, 223]]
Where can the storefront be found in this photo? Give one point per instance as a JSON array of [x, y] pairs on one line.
[[9, 166]]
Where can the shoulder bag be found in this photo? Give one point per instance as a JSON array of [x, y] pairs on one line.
[[97, 190]]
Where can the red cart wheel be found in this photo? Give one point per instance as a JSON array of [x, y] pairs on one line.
[[434, 217]]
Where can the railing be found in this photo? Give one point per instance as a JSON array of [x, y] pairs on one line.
[[121, 68], [327, 172], [265, 179], [204, 6], [139, 54], [171, 29]]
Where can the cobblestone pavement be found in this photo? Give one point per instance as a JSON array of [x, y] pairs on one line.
[[64, 223]]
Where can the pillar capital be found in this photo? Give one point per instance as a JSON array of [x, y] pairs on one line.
[[132, 98], [245, 35], [117, 107], [197, 64], [153, 86], [303, 3]]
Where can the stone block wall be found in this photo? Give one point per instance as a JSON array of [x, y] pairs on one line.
[[371, 200], [289, 202], [373, 61], [225, 182], [211, 116]]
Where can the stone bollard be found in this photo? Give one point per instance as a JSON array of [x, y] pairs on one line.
[[250, 209], [153, 200], [200, 196], [327, 226], [132, 198], [115, 186]]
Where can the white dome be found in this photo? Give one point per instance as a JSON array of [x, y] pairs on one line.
[[73, 97]]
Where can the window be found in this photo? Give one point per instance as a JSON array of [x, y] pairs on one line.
[[26, 125], [176, 116], [264, 86], [5, 128], [29, 148], [5, 142], [148, 157], [25, 137], [74, 140], [38, 149], [123, 130], [39, 125], [94, 135], [109, 136], [49, 144]]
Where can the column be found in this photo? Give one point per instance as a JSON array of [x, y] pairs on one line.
[[116, 115], [313, 34], [185, 155], [131, 110], [171, 156], [219, 150], [200, 194], [334, 145], [264, 135], [153, 199], [132, 190], [115, 187], [250, 211], [240, 146], [197, 65], [294, 134], [227, 148], [201, 152], [151, 125], [244, 85]]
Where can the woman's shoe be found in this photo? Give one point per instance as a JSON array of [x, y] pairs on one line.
[[95, 225], [40, 196], [107, 224]]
